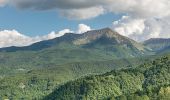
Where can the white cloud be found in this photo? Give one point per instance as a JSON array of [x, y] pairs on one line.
[[127, 26], [141, 8], [14, 38], [142, 29], [58, 34], [84, 13], [83, 28], [146, 18]]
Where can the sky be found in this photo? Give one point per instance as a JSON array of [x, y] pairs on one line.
[[23, 22], [34, 23]]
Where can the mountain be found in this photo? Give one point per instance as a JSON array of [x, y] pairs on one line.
[[71, 65], [34, 71], [96, 45], [157, 44], [149, 81], [42, 44], [104, 40], [164, 50], [110, 40]]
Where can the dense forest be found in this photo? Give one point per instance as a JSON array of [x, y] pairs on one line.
[[20, 83], [149, 81]]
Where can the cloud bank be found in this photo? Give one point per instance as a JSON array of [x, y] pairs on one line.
[[141, 29], [93, 8], [72, 9], [14, 38]]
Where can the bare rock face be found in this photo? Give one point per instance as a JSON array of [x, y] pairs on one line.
[[107, 36]]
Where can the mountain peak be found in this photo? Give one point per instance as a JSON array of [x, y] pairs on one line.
[[102, 31], [107, 29], [105, 34]]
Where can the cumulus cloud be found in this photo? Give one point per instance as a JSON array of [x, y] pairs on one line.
[[53, 34], [14, 38], [141, 8], [84, 13], [142, 29], [127, 26], [83, 28], [145, 18]]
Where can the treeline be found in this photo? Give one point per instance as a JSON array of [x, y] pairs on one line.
[[149, 81]]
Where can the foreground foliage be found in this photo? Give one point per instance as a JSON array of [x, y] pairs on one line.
[[149, 81]]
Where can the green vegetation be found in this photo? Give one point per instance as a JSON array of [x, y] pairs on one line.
[[35, 71], [149, 81], [36, 83]]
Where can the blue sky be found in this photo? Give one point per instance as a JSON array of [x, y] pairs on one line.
[[33, 23]]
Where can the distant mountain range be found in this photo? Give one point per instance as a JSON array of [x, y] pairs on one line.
[[158, 44]]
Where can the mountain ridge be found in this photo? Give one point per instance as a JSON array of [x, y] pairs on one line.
[[105, 35], [157, 44]]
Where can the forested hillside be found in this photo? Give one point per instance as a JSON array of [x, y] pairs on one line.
[[149, 81], [36, 83]]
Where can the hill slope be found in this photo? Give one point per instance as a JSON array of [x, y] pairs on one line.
[[148, 81]]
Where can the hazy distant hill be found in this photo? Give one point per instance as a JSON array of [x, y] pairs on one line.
[[157, 44]]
